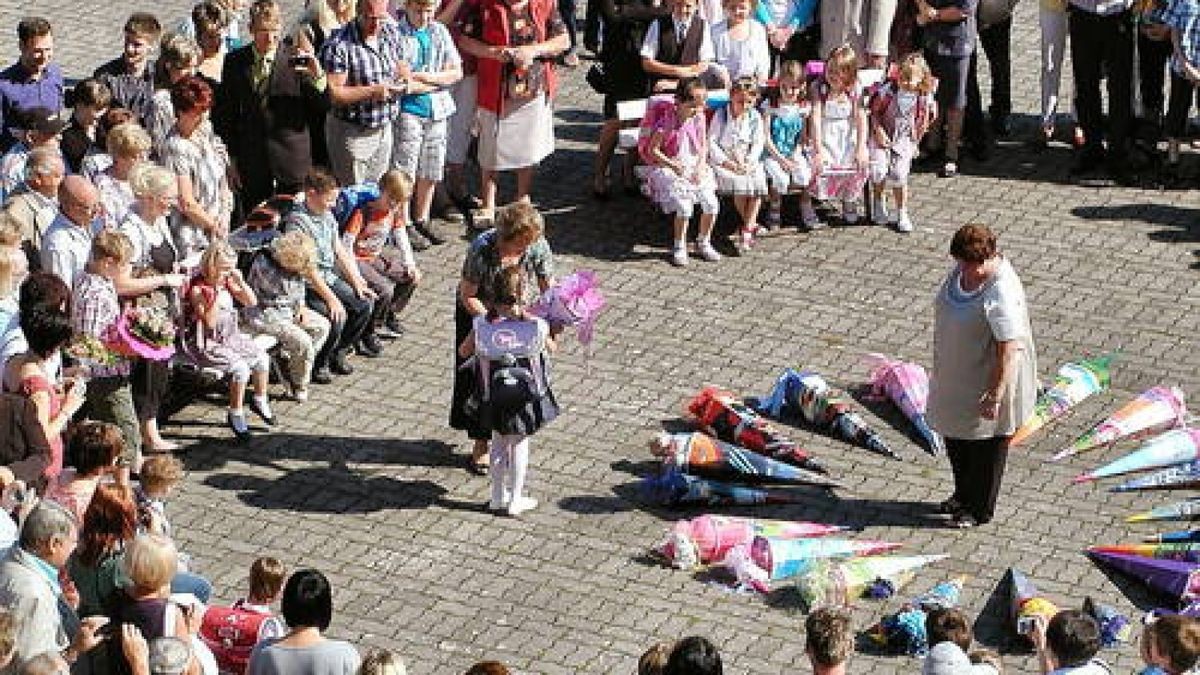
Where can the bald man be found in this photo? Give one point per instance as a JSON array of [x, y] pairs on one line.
[[34, 205], [67, 245]]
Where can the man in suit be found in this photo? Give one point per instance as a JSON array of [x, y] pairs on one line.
[[268, 92], [29, 589], [34, 205]]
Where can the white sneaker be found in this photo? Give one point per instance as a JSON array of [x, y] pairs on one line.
[[521, 504], [679, 256], [705, 250], [879, 211], [809, 217], [903, 223], [849, 211]]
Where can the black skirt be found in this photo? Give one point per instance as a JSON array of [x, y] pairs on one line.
[[463, 416]]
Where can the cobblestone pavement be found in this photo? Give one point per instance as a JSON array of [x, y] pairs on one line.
[[365, 481]]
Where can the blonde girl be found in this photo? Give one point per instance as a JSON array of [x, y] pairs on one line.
[[789, 138], [735, 148], [840, 156], [901, 111]]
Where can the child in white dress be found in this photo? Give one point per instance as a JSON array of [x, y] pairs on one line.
[[788, 142], [735, 148], [840, 157]]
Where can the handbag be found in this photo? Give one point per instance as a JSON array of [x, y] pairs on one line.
[[597, 78]]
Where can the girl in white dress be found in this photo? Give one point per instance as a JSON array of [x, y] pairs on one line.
[[735, 147], [840, 156]]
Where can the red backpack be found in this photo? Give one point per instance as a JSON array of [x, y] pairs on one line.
[[231, 634]]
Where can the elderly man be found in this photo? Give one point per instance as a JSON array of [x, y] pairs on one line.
[[29, 589], [362, 60], [67, 245], [37, 128], [34, 205], [34, 81]]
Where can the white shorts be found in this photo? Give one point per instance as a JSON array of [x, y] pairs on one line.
[[420, 147]]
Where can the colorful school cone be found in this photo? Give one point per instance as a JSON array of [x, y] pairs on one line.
[[843, 582], [1027, 604], [1182, 551], [1188, 509], [702, 455], [1175, 537], [575, 301], [1181, 477], [724, 417], [1177, 446], [819, 404], [907, 386], [707, 539], [1178, 580], [1153, 410], [677, 489], [1115, 627], [904, 631], [1075, 382], [767, 559]]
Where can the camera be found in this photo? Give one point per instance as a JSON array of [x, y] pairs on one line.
[[299, 60]]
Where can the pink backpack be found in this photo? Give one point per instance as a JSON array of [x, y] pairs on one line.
[[231, 634]]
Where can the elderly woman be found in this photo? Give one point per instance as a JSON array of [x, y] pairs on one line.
[[515, 44], [277, 277], [127, 144], [625, 23], [150, 281], [984, 371], [307, 607], [199, 161], [516, 241], [178, 58]]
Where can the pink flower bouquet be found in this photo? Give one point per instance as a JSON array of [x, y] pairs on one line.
[[144, 332]]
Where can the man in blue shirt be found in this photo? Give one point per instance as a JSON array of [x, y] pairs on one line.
[[34, 81]]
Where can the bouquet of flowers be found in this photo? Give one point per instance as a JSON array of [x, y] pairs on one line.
[[89, 351], [575, 301], [144, 332]]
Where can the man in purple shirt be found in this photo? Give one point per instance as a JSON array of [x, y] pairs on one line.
[[33, 81]]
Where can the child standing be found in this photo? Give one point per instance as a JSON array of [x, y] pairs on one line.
[[510, 348], [677, 174], [902, 110], [735, 147], [840, 123], [1183, 17], [787, 162]]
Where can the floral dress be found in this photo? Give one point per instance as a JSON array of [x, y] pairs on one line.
[[223, 346]]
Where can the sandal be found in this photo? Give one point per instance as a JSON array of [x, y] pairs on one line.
[[479, 467]]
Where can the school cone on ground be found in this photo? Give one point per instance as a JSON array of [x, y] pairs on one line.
[[707, 539], [1183, 551], [767, 559], [1153, 410], [809, 395], [907, 386], [723, 416], [1115, 627], [1026, 603], [1178, 580], [1176, 536], [702, 455], [840, 583], [1177, 446], [1181, 477], [678, 489], [1075, 382], [1187, 509]]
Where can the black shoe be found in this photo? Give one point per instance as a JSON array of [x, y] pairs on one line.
[[237, 424], [429, 231], [1088, 162], [322, 375], [369, 346], [393, 324], [418, 240], [265, 415], [338, 364], [1000, 126]]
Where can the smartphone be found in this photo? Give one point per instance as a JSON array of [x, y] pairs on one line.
[[107, 630], [300, 60]]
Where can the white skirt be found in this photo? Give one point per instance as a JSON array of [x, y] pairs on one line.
[[782, 181], [520, 139], [741, 184]]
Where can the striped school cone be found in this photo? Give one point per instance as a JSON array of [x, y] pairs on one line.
[[1153, 410], [1076, 381], [1177, 446], [1181, 477], [1188, 509]]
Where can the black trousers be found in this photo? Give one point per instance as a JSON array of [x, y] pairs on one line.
[[1152, 69], [342, 336], [996, 41], [978, 467], [1102, 46], [566, 9], [1183, 93]]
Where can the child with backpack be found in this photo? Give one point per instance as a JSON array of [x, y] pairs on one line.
[[788, 142], [232, 632], [839, 120], [509, 348], [902, 109]]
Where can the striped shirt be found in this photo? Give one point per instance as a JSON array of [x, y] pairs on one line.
[[1183, 16], [348, 52], [132, 91], [94, 311]]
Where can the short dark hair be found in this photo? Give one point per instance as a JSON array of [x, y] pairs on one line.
[[307, 600], [191, 93], [1177, 638], [948, 624], [1073, 637], [488, 668], [694, 655], [144, 24], [685, 88], [828, 636], [46, 330], [973, 243], [318, 179], [43, 289], [32, 27], [94, 445], [91, 91]]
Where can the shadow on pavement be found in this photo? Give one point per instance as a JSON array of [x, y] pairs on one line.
[[1182, 220], [334, 489]]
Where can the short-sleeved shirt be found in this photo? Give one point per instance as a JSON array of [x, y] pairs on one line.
[[1184, 16], [328, 657], [115, 195], [280, 293], [952, 38], [708, 52], [323, 228], [20, 92], [482, 266], [95, 307], [750, 57], [66, 248], [364, 63], [428, 50], [202, 158]]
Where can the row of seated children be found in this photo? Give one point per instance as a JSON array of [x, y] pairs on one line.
[[821, 137]]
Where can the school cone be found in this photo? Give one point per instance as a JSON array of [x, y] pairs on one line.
[[1178, 580], [1176, 536], [906, 385], [1177, 446], [1181, 477], [724, 417], [1075, 382], [1155, 409], [678, 489], [702, 455], [768, 559], [707, 539], [843, 582], [1188, 509], [1026, 603], [1183, 551], [904, 630]]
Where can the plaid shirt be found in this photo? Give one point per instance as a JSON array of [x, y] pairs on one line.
[[1184, 16], [346, 52], [94, 309]]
